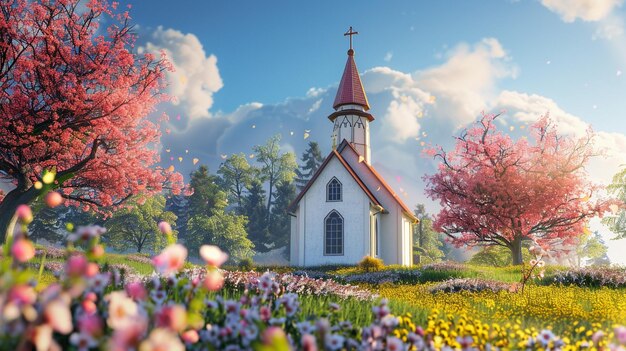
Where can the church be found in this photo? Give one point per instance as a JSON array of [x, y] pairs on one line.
[[347, 211]]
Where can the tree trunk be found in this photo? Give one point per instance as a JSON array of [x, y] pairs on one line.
[[516, 251], [11, 201]]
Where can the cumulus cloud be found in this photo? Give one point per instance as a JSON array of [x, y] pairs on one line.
[[586, 10], [195, 79]]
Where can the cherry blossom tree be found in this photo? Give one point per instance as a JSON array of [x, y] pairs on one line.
[[497, 191], [74, 100]]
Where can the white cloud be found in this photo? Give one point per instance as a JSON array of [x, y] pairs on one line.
[[611, 28], [586, 10], [196, 77]]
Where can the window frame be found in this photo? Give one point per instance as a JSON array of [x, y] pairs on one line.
[[330, 182], [342, 236]]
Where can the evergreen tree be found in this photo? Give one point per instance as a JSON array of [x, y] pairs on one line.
[[254, 209], [280, 231], [427, 242], [179, 205], [311, 161], [592, 250], [207, 198]]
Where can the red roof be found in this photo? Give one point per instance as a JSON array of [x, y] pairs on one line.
[[345, 164], [350, 91], [381, 180]]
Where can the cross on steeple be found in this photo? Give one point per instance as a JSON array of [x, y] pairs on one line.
[[350, 33]]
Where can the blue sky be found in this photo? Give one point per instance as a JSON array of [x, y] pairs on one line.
[[246, 70]]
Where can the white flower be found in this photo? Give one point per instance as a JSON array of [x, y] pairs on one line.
[[122, 310], [162, 339], [545, 336]]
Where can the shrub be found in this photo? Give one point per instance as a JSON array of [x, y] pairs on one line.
[[371, 264], [469, 284], [246, 264], [613, 277]]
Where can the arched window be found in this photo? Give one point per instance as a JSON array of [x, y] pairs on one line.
[[333, 234], [333, 190]]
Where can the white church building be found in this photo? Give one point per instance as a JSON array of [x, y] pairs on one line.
[[347, 210]]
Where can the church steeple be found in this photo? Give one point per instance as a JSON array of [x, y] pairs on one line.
[[351, 119]]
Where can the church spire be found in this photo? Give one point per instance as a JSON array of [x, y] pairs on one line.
[[350, 91]]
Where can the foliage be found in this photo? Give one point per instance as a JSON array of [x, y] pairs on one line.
[[592, 250], [225, 230], [617, 221], [207, 198], [254, 209], [496, 256], [75, 102], [371, 264], [498, 191], [136, 226], [311, 161], [280, 230], [179, 205], [246, 264], [275, 167], [236, 173], [428, 243]]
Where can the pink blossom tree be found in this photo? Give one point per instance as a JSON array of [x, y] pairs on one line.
[[74, 100], [497, 191]]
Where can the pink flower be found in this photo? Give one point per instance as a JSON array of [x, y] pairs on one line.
[[24, 214], [53, 199], [213, 280], [122, 310], [212, 255], [620, 335], [162, 339], [170, 260], [190, 336], [90, 324], [23, 250], [76, 265], [97, 251], [273, 334], [165, 228], [173, 317], [136, 290], [57, 314], [308, 343]]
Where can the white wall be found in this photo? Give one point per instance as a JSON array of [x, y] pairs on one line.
[[313, 208]]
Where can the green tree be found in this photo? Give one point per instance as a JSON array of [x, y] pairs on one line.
[[226, 230], [592, 250], [617, 222], [50, 223], [254, 209], [235, 175], [179, 205], [275, 167], [137, 226], [311, 161], [207, 198], [427, 242], [280, 231]]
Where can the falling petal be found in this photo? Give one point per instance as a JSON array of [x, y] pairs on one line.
[[424, 134], [422, 143], [170, 168], [223, 156], [306, 135], [512, 128], [548, 62], [432, 99], [168, 131], [253, 126], [171, 158], [186, 151], [378, 189], [195, 160], [522, 127], [399, 179], [167, 150], [420, 114], [251, 156], [361, 159], [180, 159], [178, 118], [290, 133]]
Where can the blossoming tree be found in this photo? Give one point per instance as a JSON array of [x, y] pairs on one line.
[[74, 100], [497, 191]]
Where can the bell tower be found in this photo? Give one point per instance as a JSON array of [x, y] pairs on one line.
[[351, 119]]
